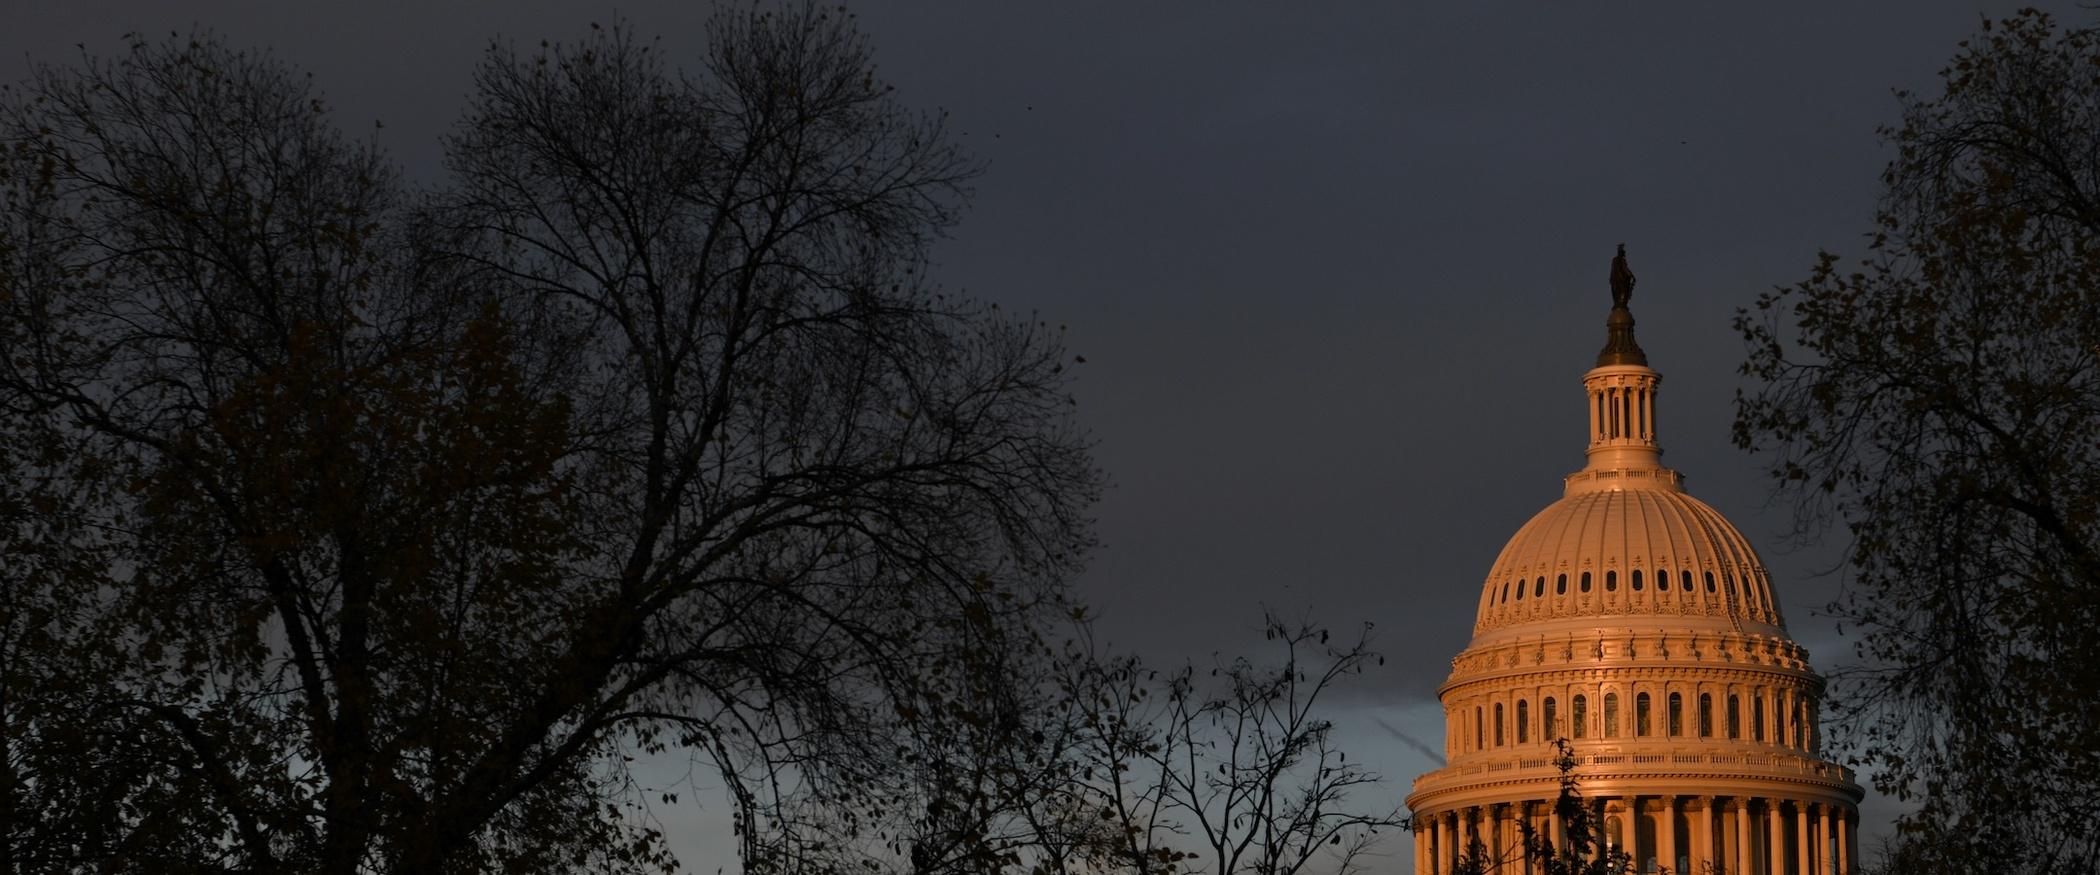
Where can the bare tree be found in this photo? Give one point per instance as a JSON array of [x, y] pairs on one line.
[[424, 513], [1237, 774]]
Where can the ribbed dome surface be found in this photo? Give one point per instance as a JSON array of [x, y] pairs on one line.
[[1649, 550]]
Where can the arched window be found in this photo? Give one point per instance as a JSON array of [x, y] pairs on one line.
[[1479, 724], [1686, 576], [1560, 585], [1735, 716], [1498, 724], [1757, 718], [1636, 580], [1546, 709], [1800, 727], [1640, 715], [1611, 581], [1585, 581], [1706, 715], [1676, 714], [1539, 589], [1520, 589], [1611, 715], [1505, 592], [1523, 721], [1579, 718], [1709, 581]]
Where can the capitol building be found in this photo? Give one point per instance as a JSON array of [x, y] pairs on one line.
[[1634, 621]]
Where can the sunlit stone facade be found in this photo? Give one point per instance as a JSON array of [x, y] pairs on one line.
[[1635, 621]]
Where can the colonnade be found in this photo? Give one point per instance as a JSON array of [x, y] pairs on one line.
[[1778, 714], [1622, 408], [1688, 835]]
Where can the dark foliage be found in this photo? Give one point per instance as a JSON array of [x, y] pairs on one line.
[[350, 528], [1941, 398]]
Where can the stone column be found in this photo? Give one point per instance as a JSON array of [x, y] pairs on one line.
[[1490, 835], [1701, 814], [1845, 850], [1504, 819], [1519, 814], [1443, 843], [1529, 821], [1519, 818], [1802, 839], [1666, 833], [1542, 826], [1465, 835], [1560, 830], [1602, 835], [1825, 831], [1743, 837], [1775, 862]]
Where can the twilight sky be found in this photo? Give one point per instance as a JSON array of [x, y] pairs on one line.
[[1336, 274]]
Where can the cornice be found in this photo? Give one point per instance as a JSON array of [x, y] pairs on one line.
[[1645, 652]]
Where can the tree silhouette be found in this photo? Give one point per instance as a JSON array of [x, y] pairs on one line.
[[351, 527], [1227, 771], [1941, 398]]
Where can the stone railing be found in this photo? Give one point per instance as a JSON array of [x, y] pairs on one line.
[[1635, 763], [1667, 476]]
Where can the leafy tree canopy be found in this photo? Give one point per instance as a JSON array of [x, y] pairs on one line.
[[1941, 398]]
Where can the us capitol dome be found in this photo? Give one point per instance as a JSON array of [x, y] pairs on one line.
[[1633, 620]]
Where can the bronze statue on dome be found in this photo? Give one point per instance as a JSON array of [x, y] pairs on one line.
[[1621, 280]]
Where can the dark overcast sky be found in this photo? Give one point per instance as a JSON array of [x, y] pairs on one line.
[[1336, 274]]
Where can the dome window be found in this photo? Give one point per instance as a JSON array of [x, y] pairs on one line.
[[1611, 581], [1709, 581], [1735, 716], [1641, 724], [1611, 715], [1686, 576], [1579, 718], [1523, 721], [1706, 715], [1560, 585], [1538, 589], [1585, 581], [1478, 723], [1757, 718], [1520, 590], [1498, 724], [1676, 714], [1552, 723], [1636, 580], [1505, 592]]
